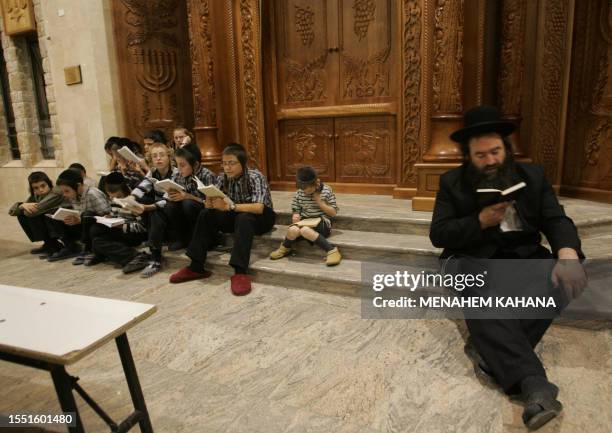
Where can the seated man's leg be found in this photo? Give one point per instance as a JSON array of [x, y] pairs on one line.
[[505, 348], [69, 235], [535, 329]]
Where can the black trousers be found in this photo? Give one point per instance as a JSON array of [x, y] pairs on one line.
[[114, 244], [36, 228], [243, 225], [175, 221], [507, 345], [67, 234]]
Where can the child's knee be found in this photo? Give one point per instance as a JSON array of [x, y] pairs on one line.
[[308, 233], [293, 232]]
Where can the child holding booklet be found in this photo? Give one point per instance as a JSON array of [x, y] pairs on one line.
[[313, 201], [89, 202], [31, 213], [246, 211], [117, 243], [180, 212]]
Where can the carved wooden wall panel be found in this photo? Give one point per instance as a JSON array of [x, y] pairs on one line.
[[549, 98], [588, 155], [365, 149], [303, 43], [336, 60], [411, 90], [308, 142], [153, 53], [366, 50], [448, 57]]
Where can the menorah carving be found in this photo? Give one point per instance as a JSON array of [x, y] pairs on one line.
[[156, 72]]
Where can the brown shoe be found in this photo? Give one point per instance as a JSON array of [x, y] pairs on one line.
[[333, 257], [279, 253]]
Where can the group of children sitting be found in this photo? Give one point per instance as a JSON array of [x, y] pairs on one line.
[[111, 221]]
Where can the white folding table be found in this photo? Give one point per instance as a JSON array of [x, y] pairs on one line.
[[50, 330]]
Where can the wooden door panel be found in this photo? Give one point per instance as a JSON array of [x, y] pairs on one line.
[[365, 149], [152, 45], [302, 40], [366, 53], [307, 142]]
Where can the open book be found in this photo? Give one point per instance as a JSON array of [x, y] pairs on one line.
[[110, 222], [129, 204], [308, 222], [168, 185], [211, 191], [103, 173], [490, 196], [129, 155], [62, 213]]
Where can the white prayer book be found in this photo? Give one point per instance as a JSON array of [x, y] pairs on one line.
[[168, 185], [62, 213], [128, 203], [129, 155], [110, 222]]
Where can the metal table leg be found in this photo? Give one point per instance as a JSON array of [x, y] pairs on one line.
[[131, 376], [63, 387]]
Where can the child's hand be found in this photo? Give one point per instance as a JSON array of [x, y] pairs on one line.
[[316, 196], [29, 208], [220, 204], [209, 203], [174, 195], [295, 218], [72, 220]]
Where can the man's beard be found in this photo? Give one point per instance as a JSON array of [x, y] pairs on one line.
[[500, 178]]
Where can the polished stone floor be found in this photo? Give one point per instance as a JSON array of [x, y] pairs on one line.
[[287, 360]]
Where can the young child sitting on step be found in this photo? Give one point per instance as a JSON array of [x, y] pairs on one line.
[[313, 199]]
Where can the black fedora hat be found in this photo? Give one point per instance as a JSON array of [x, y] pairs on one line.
[[481, 120]]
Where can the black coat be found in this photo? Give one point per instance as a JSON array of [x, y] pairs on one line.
[[456, 228]]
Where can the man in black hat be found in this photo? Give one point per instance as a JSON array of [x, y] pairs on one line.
[[503, 348]]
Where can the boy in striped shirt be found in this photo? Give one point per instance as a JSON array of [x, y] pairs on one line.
[[313, 199]]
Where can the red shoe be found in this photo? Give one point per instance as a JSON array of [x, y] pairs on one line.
[[185, 274], [241, 284]]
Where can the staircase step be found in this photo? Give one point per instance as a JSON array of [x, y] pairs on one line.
[[410, 249]]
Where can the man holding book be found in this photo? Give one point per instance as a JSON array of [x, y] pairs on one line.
[[506, 224]]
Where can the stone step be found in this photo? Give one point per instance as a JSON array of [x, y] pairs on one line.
[[383, 214], [593, 310], [376, 224], [410, 249]]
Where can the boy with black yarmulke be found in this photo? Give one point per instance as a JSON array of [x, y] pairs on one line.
[[313, 200]]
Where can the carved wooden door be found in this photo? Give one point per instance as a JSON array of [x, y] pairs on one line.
[[153, 52], [332, 66]]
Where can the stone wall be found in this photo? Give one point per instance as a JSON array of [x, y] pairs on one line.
[[82, 115]]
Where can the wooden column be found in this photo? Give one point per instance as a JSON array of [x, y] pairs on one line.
[[199, 15], [462, 36]]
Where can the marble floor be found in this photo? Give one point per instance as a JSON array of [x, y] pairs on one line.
[[287, 360]]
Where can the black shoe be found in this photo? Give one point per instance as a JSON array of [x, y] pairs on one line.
[[481, 369], [43, 249], [541, 407], [80, 259], [140, 261], [93, 259], [176, 246], [64, 253]]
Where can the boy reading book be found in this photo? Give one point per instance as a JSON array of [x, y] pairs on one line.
[[247, 213], [313, 205], [118, 243], [90, 202], [177, 217]]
